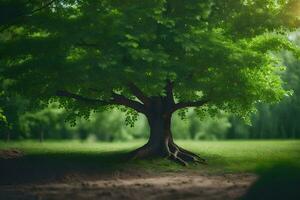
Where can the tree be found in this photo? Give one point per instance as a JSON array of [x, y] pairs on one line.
[[4, 125], [152, 57], [280, 120], [43, 123], [11, 107]]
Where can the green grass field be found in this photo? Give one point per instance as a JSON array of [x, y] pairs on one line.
[[222, 156]]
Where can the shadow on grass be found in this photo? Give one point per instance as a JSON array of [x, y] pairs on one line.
[[279, 182], [54, 166]]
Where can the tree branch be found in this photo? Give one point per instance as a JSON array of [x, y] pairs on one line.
[[82, 43], [42, 7], [117, 99], [181, 105], [26, 14], [121, 100], [62, 93], [138, 93], [169, 91]]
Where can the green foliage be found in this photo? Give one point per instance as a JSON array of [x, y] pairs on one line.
[[204, 128], [48, 123], [222, 51], [276, 121], [3, 119], [12, 107], [211, 128], [110, 126], [215, 50]]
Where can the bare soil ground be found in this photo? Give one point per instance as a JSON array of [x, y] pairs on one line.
[[11, 153], [134, 185]]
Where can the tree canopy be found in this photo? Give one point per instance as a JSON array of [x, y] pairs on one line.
[[214, 54]]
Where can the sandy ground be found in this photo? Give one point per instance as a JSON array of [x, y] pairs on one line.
[[181, 185]]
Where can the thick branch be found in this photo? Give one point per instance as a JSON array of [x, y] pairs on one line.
[[181, 105], [138, 93], [62, 93], [116, 100], [169, 91], [121, 100]]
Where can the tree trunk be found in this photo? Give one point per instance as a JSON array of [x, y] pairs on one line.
[[160, 143], [7, 136], [160, 134], [41, 136], [158, 110]]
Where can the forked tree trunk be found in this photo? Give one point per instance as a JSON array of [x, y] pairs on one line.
[[158, 110], [161, 143]]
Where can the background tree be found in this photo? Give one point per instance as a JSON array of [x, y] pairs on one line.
[[151, 57], [12, 107], [4, 125], [44, 123], [281, 120]]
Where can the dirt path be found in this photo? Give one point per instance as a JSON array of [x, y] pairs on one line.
[[165, 186]]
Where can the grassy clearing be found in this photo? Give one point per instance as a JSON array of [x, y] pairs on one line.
[[247, 156], [55, 158]]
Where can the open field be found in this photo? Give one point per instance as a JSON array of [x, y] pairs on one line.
[[222, 156], [58, 170]]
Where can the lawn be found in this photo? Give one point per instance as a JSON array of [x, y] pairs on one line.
[[222, 156]]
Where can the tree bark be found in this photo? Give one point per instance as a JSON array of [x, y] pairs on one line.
[[160, 142]]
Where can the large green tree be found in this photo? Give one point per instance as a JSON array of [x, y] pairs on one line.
[[152, 57]]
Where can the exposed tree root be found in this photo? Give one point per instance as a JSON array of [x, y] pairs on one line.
[[170, 151], [193, 156], [183, 156]]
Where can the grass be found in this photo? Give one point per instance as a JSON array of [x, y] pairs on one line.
[[54, 158], [247, 156]]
